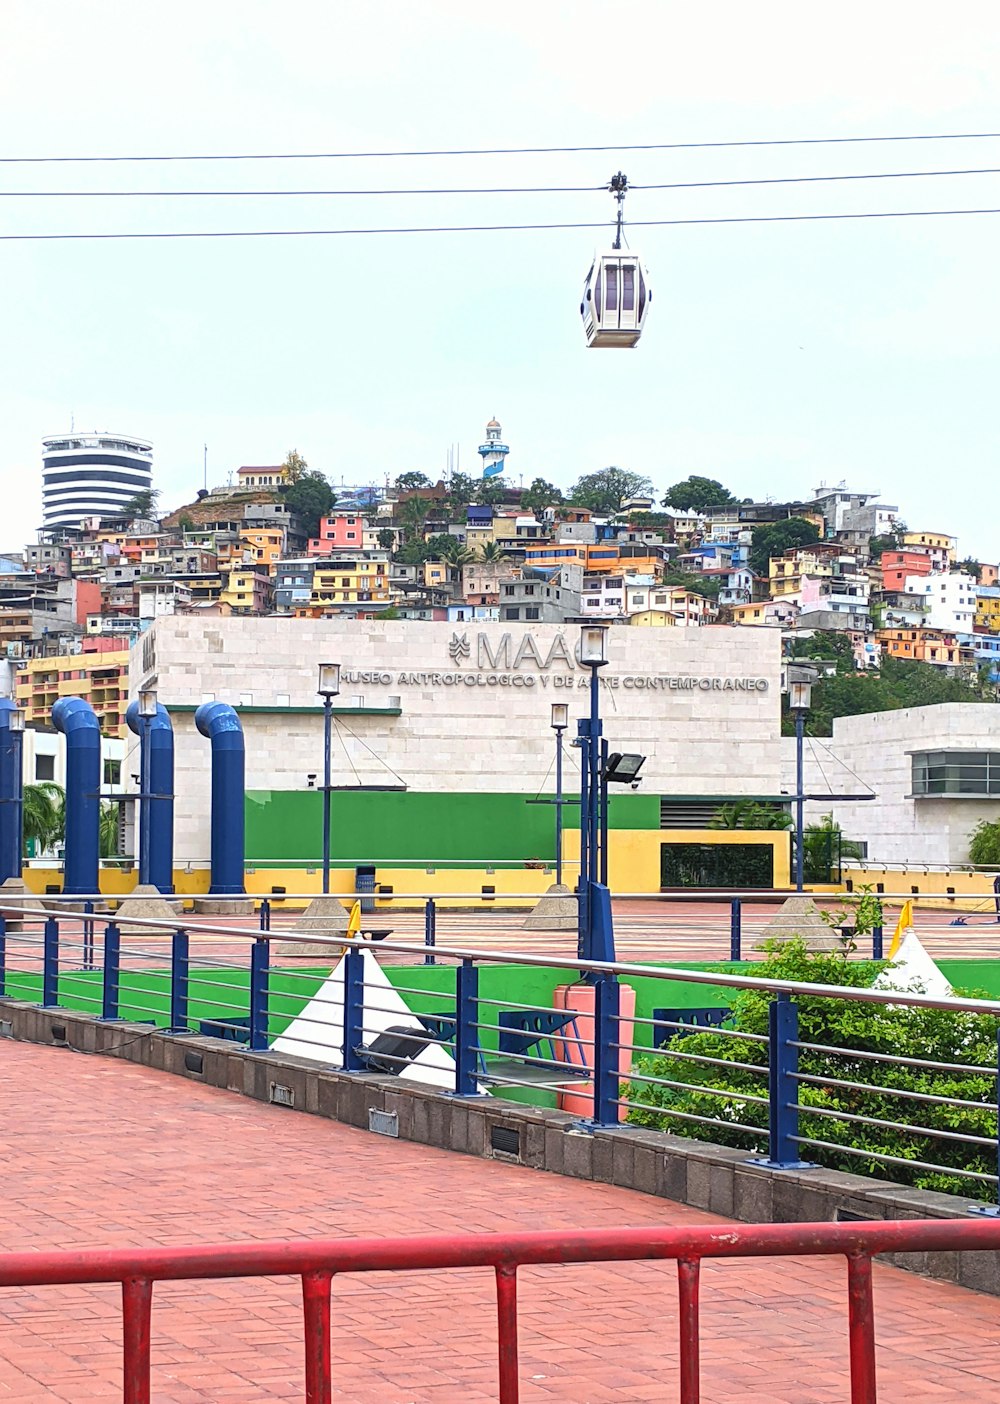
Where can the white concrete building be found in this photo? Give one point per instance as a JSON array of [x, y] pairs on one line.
[[463, 707], [935, 772], [950, 599]]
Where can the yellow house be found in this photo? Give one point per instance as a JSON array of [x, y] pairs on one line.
[[271, 476], [988, 613], [653, 619], [247, 590], [99, 678], [346, 582], [935, 541]]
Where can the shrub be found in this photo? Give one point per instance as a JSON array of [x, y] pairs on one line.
[[713, 1098]]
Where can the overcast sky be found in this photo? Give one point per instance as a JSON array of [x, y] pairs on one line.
[[776, 356]]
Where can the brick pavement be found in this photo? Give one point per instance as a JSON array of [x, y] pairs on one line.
[[101, 1153]]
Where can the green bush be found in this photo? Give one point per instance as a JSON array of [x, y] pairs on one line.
[[984, 844], [712, 1108]]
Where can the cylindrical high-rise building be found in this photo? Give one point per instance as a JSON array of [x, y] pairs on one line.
[[91, 475]]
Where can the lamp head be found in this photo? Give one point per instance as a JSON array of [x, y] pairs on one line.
[[594, 645], [560, 716], [147, 702], [329, 680]]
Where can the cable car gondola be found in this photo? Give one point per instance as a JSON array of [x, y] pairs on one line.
[[616, 292]]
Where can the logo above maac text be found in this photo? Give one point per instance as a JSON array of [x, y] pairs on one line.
[[459, 648]]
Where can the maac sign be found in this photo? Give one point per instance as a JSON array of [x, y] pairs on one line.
[[506, 658], [520, 661]]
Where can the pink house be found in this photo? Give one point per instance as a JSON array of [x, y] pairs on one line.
[[337, 532]]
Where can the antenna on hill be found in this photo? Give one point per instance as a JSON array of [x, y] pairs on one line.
[[205, 466]]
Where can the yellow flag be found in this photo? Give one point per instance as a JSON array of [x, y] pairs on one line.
[[354, 921], [902, 926]]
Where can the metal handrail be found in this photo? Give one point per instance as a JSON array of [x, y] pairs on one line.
[[596, 967], [316, 1263]]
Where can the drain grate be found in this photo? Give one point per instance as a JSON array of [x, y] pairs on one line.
[[506, 1140], [280, 1095], [383, 1123], [6, 1028]]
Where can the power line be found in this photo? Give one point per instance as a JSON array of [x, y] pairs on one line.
[[482, 228], [491, 190], [505, 150]]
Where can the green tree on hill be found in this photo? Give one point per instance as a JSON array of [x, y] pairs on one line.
[[607, 492], [311, 498], [775, 538], [696, 494]]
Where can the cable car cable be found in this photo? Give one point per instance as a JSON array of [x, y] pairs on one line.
[[492, 190], [482, 228], [505, 150]]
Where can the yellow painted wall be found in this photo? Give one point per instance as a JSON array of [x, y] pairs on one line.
[[973, 891], [634, 854]]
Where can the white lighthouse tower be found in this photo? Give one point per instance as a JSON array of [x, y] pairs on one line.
[[493, 452]]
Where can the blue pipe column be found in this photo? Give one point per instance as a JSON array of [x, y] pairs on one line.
[[11, 794], [81, 863], [157, 769], [219, 722]]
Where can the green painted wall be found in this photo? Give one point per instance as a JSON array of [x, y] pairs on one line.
[[400, 827]]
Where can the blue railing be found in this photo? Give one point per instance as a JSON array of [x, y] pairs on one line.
[[471, 1034]]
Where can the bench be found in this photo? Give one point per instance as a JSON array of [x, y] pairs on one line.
[[691, 1021]]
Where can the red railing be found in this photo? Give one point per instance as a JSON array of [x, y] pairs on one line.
[[317, 1262]]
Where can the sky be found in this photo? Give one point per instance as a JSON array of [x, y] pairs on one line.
[[776, 356]]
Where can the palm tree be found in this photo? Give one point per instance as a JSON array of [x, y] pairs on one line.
[[108, 830], [412, 514], [748, 814], [493, 552], [456, 554], [43, 814]]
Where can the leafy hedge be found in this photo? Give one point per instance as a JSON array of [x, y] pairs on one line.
[[932, 1034]]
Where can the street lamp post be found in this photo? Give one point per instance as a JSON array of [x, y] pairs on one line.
[[799, 699], [15, 728], [147, 711], [559, 723], [593, 655], [328, 689]]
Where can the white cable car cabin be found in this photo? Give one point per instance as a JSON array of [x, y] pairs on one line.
[[616, 298]]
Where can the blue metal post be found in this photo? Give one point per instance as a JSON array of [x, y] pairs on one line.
[[3, 955], [76, 719], [265, 915], [144, 802], [583, 882], [783, 1087], [736, 929], [11, 750], [259, 953], [219, 722], [354, 1009], [112, 967], [327, 770], [50, 964], [603, 873], [607, 993], [594, 779], [466, 1036], [430, 931], [179, 966], [876, 943], [559, 802], [800, 729]]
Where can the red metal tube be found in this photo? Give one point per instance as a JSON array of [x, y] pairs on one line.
[[861, 1319], [688, 1277], [507, 1332], [137, 1300], [491, 1249], [316, 1313]]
